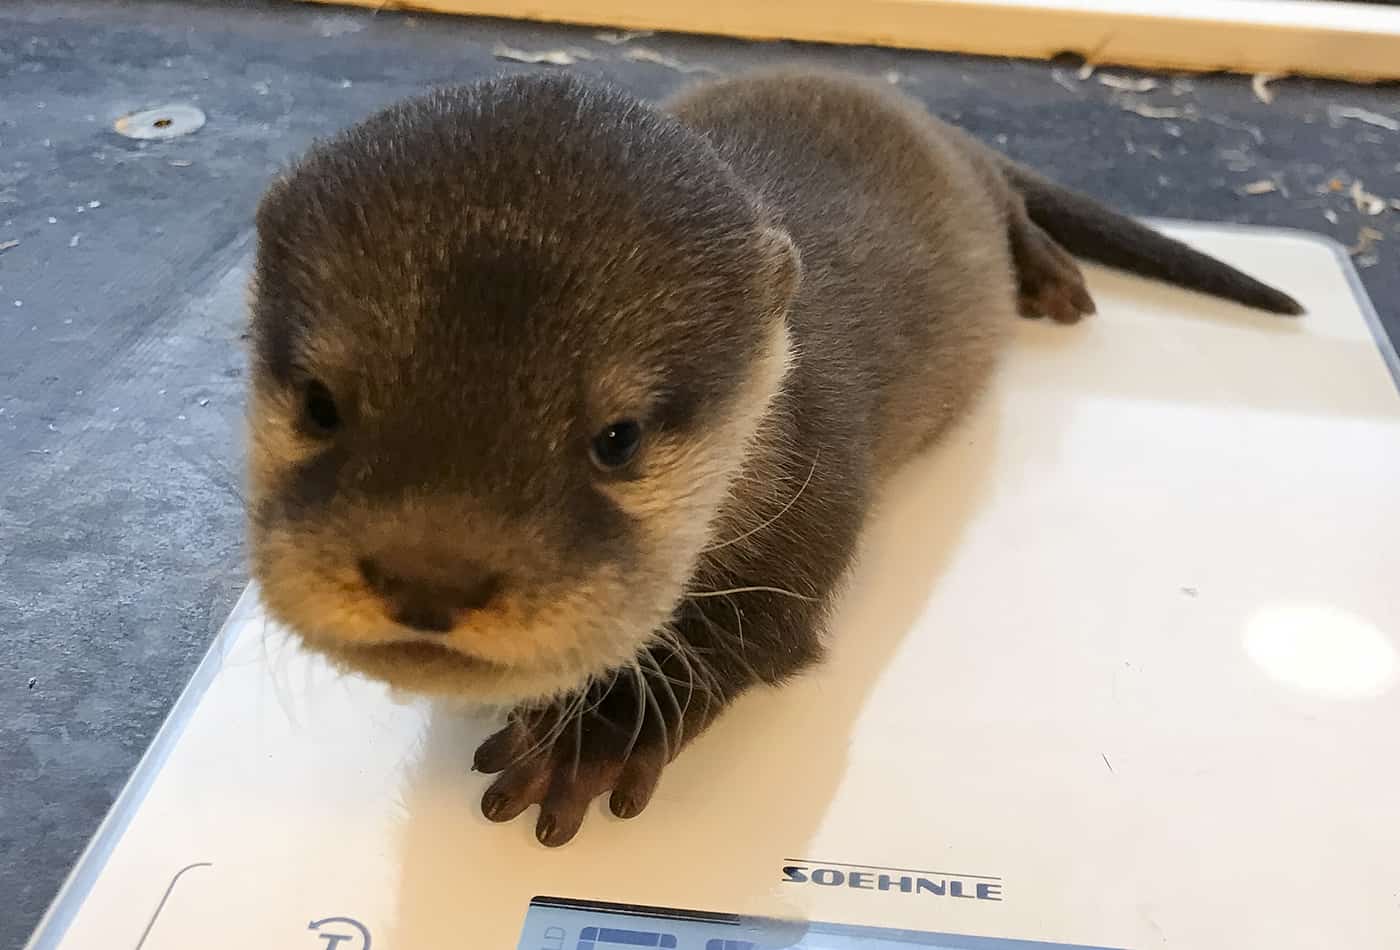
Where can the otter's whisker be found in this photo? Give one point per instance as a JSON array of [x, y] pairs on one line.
[[550, 738], [641, 712], [578, 742], [754, 530], [566, 716], [667, 640], [738, 622], [722, 638], [675, 702], [655, 707], [757, 588], [690, 657], [603, 695]]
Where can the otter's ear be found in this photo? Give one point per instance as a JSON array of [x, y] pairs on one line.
[[780, 272]]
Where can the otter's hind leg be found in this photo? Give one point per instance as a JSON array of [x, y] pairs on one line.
[[1049, 282]]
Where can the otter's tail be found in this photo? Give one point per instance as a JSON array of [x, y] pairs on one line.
[[1092, 231]]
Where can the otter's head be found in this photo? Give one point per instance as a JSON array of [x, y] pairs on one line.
[[511, 343]]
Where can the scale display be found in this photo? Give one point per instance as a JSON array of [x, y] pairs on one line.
[[560, 924]]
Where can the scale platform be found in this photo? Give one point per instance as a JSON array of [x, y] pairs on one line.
[[1117, 668]]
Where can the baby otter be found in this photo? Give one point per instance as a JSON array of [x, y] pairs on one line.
[[576, 405]]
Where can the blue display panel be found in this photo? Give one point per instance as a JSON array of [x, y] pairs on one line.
[[611, 938], [557, 924]]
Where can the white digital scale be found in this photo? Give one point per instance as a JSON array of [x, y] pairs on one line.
[[1117, 668]]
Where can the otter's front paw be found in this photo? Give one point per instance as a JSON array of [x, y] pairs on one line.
[[562, 764]]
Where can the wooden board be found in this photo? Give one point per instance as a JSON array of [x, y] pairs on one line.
[[1309, 37]]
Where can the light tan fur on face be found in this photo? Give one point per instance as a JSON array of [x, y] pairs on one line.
[[687, 482], [545, 635]]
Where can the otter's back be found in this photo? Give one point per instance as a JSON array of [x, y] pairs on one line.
[[908, 284]]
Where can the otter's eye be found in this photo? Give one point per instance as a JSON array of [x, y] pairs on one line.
[[616, 444], [318, 406]]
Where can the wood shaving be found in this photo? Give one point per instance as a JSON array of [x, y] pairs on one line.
[[1260, 187], [1237, 160], [1086, 72], [1337, 113], [642, 54], [179, 163], [1127, 83], [1331, 216], [550, 57], [1254, 132], [618, 37], [1062, 78], [1366, 240], [1158, 112], [1260, 85], [1366, 202], [6, 245]]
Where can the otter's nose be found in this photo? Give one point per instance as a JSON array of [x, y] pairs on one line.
[[429, 601]]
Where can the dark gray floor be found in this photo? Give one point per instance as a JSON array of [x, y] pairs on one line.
[[121, 307]]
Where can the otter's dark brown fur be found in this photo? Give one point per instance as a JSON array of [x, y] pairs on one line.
[[570, 403]]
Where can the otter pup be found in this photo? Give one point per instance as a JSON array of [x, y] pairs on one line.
[[575, 405]]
